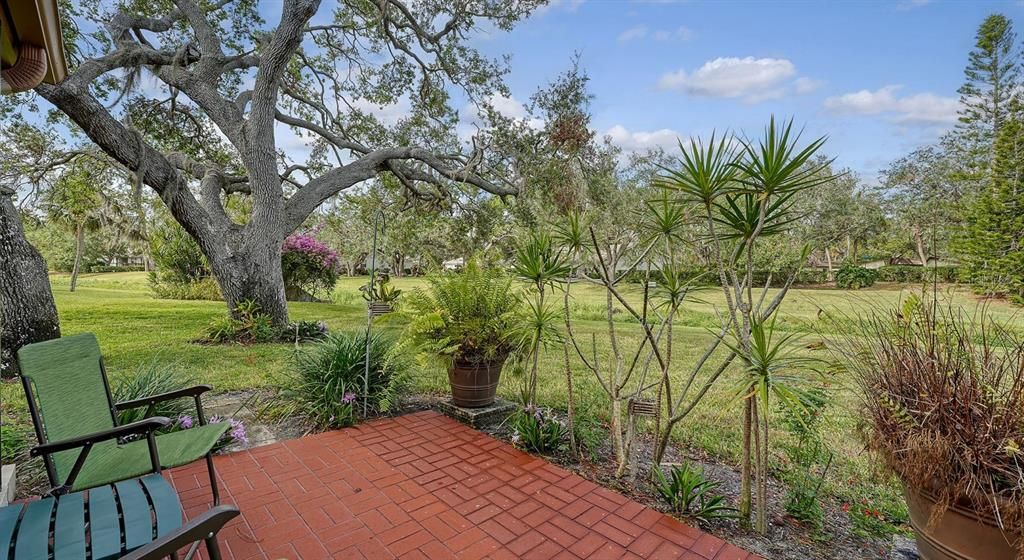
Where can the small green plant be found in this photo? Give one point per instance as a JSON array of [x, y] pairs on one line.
[[853, 277], [153, 378], [329, 379], [382, 291], [688, 492], [869, 520], [538, 429], [249, 326], [808, 459]]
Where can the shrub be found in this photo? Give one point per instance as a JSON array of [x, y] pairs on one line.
[[853, 277], [116, 268], [308, 264], [538, 429], [182, 270], [918, 274], [942, 392], [329, 379], [177, 256], [809, 460], [251, 326], [688, 492], [464, 315], [156, 377]]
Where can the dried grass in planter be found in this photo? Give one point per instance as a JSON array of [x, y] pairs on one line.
[[942, 391]]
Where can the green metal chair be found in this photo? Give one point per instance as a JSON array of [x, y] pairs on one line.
[[75, 420]]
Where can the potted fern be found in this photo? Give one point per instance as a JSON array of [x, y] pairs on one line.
[[942, 392], [464, 319]]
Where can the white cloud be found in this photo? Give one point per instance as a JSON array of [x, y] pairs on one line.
[[682, 33], [388, 115], [919, 108], [508, 106], [641, 141], [753, 79], [633, 33]]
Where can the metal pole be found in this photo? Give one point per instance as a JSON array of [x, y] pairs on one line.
[[369, 311]]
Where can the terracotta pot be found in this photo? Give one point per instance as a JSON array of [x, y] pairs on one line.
[[474, 383], [961, 533]]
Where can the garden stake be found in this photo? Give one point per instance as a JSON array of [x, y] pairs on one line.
[[377, 218]]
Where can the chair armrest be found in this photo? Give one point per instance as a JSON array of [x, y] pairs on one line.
[[141, 427], [169, 396], [202, 528]]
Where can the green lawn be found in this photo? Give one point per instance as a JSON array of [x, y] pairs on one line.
[[134, 328]]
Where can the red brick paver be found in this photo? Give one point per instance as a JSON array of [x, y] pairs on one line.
[[425, 486]]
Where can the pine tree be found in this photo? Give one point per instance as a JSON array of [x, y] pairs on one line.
[[992, 76], [993, 241]]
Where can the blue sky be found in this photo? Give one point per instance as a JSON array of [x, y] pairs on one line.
[[879, 78]]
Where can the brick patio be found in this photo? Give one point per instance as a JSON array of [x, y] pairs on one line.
[[425, 486]]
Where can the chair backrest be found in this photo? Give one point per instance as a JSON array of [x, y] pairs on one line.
[[71, 395]]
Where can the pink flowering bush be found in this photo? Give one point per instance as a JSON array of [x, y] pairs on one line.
[[308, 263]]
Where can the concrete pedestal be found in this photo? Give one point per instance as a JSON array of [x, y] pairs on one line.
[[481, 416]]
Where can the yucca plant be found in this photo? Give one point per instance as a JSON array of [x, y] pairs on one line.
[[689, 492], [539, 262], [746, 191], [570, 236], [773, 371]]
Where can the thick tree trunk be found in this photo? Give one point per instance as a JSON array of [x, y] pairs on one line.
[[252, 274], [79, 249], [27, 311], [828, 260]]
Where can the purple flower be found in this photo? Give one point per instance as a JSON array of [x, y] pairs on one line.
[[237, 431], [348, 398], [185, 421], [312, 247]]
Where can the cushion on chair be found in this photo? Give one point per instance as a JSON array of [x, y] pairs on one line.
[[109, 462], [149, 509], [70, 388]]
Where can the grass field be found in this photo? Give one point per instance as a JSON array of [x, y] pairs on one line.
[[135, 328]]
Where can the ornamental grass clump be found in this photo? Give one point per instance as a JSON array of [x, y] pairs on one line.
[[328, 384], [942, 392]]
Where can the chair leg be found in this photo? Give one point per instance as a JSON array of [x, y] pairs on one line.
[[212, 550], [213, 479]]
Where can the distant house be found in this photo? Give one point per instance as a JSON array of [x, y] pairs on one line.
[[911, 261], [454, 264], [129, 260]]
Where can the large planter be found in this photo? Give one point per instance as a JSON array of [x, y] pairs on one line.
[[960, 534], [474, 383]]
